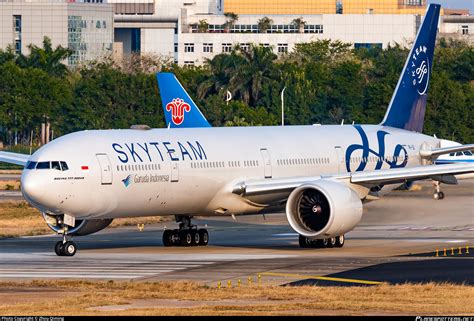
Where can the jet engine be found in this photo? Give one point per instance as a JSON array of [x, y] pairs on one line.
[[323, 209], [82, 227]]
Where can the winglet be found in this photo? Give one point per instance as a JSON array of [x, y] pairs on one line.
[[179, 109], [408, 104]]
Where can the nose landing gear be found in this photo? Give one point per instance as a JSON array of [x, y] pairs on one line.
[[66, 247], [438, 195], [186, 235]]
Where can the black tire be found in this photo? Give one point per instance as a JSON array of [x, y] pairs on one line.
[[69, 248], [320, 243], [167, 238], [340, 240], [186, 238], [58, 248], [203, 237], [441, 195], [303, 241], [196, 238], [331, 242]]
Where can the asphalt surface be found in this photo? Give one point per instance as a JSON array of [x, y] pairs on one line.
[[395, 242]]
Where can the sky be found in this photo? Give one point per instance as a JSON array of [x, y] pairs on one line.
[[456, 4]]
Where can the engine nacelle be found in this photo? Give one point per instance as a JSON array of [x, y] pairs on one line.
[[323, 209], [82, 227]]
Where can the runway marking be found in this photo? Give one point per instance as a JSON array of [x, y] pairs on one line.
[[323, 278]]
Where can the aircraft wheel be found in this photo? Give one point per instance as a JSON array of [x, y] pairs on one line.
[[340, 240], [58, 248], [331, 242], [303, 241], [167, 237], [195, 238], [69, 248], [322, 243], [203, 237], [441, 195], [186, 238]]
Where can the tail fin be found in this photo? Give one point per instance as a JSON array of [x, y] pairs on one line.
[[179, 109], [408, 104]]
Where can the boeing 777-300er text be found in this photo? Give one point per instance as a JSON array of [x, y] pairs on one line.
[[322, 174]]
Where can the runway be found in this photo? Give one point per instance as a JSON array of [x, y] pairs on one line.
[[396, 242]]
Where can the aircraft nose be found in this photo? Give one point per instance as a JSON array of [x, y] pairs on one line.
[[32, 187]]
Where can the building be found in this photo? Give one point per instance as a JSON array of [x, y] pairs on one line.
[[189, 31], [85, 26]]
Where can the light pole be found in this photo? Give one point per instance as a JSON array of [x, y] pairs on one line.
[[283, 107]]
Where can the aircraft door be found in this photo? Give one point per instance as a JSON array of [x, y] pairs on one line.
[[105, 169], [174, 171], [266, 162], [340, 159]]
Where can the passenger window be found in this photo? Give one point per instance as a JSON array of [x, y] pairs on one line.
[[43, 165], [31, 165]]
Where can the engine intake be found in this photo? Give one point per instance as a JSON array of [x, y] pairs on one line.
[[323, 209]]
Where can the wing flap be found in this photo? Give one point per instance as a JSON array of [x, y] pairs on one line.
[[365, 179], [14, 158]]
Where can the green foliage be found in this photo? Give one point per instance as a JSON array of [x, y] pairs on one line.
[[326, 82]]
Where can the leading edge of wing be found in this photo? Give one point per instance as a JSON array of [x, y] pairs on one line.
[[14, 158]]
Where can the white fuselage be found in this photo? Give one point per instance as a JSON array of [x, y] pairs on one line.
[[193, 171]]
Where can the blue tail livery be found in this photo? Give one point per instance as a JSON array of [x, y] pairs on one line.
[[179, 109], [408, 104]]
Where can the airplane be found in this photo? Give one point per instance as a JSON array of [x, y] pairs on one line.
[[322, 175], [463, 156]]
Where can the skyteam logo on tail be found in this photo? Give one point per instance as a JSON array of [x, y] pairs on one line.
[[396, 161], [420, 69], [177, 107], [127, 180]]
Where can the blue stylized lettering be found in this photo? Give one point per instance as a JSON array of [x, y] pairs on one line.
[[170, 151], [184, 151], [131, 149], [146, 150], [198, 152], [115, 146], [366, 150], [158, 150]]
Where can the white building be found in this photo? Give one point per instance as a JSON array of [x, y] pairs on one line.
[[85, 26], [170, 29]]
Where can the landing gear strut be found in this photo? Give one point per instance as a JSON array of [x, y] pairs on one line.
[[337, 241], [438, 195], [186, 235]]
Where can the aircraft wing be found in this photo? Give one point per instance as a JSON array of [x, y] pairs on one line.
[[366, 179], [445, 150], [14, 158]]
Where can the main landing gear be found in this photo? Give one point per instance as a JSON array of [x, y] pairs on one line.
[[438, 195], [186, 235], [66, 247], [337, 241]]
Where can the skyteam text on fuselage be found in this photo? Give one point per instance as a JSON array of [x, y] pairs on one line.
[[321, 174]]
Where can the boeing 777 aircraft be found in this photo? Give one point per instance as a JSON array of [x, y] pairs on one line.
[[322, 174]]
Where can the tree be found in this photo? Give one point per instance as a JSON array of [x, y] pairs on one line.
[[299, 23], [46, 58], [203, 26], [231, 19], [264, 24]]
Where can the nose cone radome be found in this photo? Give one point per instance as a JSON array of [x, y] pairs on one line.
[[32, 187]]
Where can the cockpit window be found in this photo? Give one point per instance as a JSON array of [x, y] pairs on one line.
[[55, 165], [64, 166], [468, 153], [43, 165], [452, 154], [459, 154], [30, 165]]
